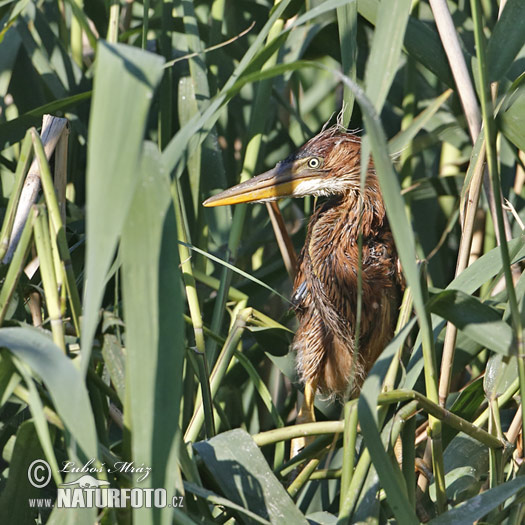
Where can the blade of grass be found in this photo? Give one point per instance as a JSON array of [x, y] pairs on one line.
[[404, 239], [153, 308], [47, 270], [16, 268], [475, 508], [506, 41], [234, 269], [266, 398], [195, 312], [63, 381], [13, 130], [21, 170], [57, 228], [145, 24], [401, 139], [383, 61], [125, 79], [37, 410], [218, 373], [490, 140], [347, 24], [52, 128], [349, 453]]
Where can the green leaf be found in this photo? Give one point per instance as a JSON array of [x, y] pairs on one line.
[[468, 281], [74, 516], [421, 41], [40, 60], [405, 243], [383, 62], [389, 475], [511, 119], [155, 349], [125, 78], [486, 267], [114, 359], [476, 507], [62, 379], [322, 518], [477, 320], [213, 498], [399, 141], [238, 467], [432, 187], [189, 137], [13, 130], [508, 37], [9, 46], [466, 463], [9, 378], [465, 406], [43, 431], [347, 25], [14, 504]]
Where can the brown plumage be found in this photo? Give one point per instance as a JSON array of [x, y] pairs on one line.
[[326, 284]]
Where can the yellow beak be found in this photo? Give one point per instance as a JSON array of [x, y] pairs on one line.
[[276, 183]]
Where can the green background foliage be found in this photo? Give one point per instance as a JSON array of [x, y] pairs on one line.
[[156, 331]]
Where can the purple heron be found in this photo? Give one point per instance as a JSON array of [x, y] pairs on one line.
[[326, 283]]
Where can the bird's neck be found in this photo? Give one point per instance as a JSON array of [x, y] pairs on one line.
[[367, 208]]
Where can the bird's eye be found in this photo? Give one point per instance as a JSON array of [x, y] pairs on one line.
[[314, 163]]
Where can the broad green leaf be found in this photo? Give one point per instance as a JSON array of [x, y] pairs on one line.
[[506, 41], [205, 166], [14, 500], [466, 466], [318, 10], [347, 24], [211, 497], [421, 41], [238, 467], [486, 267], [383, 61], [405, 243], [399, 141], [195, 131], [125, 79], [154, 324], [476, 319], [465, 406], [114, 359], [43, 431], [512, 118], [9, 378], [13, 130], [61, 378], [389, 475], [468, 281], [322, 518], [476, 507], [52, 47], [368, 507], [432, 187], [9, 45]]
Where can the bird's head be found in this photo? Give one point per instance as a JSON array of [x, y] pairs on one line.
[[328, 164]]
